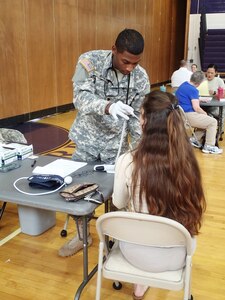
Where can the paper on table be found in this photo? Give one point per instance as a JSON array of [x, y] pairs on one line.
[[61, 167], [205, 98], [222, 99]]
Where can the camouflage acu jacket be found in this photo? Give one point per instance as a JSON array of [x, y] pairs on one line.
[[94, 84]]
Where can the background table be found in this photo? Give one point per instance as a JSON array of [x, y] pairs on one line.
[[220, 105], [39, 211]]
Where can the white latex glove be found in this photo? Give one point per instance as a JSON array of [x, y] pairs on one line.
[[120, 109]]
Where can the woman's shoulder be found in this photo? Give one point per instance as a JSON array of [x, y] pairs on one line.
[[220, 81], [216, 79], [126, 158], [125, 162]]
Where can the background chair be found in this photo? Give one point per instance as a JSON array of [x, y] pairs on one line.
[[141, 229], [188, 126]]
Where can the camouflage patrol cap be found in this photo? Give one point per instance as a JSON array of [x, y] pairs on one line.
[[11, 136]]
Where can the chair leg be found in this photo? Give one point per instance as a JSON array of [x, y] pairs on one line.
[[190, 297], [187, 285], [2, 209], [99, 275], [64, 230], [117, 285]]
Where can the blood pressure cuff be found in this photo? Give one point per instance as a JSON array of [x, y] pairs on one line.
[[48, 182], [78, 191]]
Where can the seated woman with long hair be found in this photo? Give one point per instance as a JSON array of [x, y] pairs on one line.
[[160, 177]]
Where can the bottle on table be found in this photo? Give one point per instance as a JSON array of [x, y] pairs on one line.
[[220, 93], [162, 88]]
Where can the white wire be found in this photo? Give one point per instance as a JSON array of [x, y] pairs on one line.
[[34, 194], [121, 140]]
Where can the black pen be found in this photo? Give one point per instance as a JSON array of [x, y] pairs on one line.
[[34, 163]]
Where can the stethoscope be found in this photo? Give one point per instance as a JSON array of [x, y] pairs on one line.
[[107, 96], [126, 102], [108, 81]]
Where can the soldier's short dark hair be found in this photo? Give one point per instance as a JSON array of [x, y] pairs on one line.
[[131, 41]]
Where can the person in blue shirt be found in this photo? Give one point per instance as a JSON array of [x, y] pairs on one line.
[[188, 98]]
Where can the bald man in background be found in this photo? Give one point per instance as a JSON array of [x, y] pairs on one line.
[[181, 75]]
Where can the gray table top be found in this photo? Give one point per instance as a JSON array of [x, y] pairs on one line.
[[53, 202], [213, 102]]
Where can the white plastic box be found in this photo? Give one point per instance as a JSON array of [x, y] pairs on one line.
[[35, 221], [23, 151], [7, 156]]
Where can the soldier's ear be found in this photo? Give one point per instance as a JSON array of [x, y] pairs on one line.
[[114, 49]]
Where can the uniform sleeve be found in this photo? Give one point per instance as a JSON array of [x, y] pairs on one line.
[[84, 96], [120, 195]]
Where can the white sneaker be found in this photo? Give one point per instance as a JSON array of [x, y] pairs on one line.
[[195, 142], [212, 149]]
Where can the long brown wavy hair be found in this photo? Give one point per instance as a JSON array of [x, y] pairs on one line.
[[165, 165]]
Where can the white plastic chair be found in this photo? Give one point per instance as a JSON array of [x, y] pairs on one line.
[[146, 230], [187, 125]]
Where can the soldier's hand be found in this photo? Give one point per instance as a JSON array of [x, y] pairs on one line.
[[120, 109]]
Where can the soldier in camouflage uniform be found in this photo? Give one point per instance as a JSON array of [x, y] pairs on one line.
[[107, 84]]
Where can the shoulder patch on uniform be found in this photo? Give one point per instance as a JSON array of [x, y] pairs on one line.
[[87, 65]]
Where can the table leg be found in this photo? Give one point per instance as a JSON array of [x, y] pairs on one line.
[[220, 121], [87, 276]]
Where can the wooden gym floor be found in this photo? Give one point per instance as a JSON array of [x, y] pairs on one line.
[[30, 267]]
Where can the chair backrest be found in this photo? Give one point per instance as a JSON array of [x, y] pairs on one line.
[[187, 125], [185, 120], [143, 229]]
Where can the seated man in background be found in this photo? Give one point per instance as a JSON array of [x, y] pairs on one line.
[[188, 98], [181, 75], [194, 68]]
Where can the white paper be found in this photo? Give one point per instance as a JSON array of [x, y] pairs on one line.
[[61, 167], [205, 99]]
